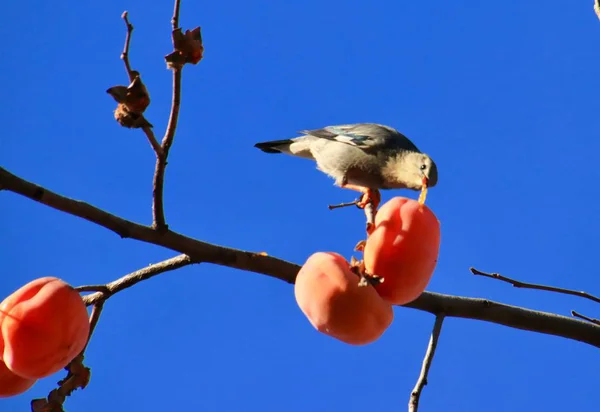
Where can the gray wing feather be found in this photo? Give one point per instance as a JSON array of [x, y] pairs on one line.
[[366, 136]]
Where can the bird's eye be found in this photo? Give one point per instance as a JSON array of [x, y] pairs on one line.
[[423, 167]]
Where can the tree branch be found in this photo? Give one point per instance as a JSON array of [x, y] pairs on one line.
[[450, 306], [136, 277], [152, 139], [524, 285], [125, 53], [132, 74], [579, 315], [413, 403], [159, 222], [175, 19]]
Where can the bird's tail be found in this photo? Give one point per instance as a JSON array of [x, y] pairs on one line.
[[275, 146]]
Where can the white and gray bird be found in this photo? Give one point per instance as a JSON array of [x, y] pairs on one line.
[[364, 157]]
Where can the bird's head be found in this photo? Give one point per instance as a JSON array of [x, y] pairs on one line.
[[413, 170]]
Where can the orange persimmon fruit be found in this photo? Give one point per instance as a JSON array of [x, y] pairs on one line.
[[403, 249], [12, 384], [43, 326], [328, 294]]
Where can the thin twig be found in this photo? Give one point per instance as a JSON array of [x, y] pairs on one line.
[[341, 205], [451, 306], [153, 142], [413, 403], [92, 288], [592, 320], [139, 275], [78, 375], [175, 19], [132, 74], [158, 213], [161, 161], [94, 318], [524, 285], [125, 53]]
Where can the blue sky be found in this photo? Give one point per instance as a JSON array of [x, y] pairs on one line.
[[503, 97]]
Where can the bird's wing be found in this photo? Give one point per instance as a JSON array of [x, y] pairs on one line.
[[366, 136]]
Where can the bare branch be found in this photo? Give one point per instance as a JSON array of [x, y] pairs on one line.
[[592, 320], [136, 277], [175, 19], [341, 205], [78, 375], [450, 306], [161, 161], [519, 284], [153, 142], [132, 74], [94, 318], [413, 403], [92, 288], [125, 53]]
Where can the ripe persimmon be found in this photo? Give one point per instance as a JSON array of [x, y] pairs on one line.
[[328, 293], [12, 384], [403, 249], [43, 325]]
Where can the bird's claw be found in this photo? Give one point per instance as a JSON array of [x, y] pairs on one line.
[[370, 196]]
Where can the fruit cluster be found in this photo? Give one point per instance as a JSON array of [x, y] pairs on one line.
[[43, 326], [400, 256]]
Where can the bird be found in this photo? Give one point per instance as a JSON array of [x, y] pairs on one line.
[[364, 157]]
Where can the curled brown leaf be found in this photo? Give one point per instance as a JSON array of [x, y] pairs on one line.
[[132, 102], [188, 48]]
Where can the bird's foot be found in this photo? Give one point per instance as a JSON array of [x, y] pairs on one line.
[[369, 196]]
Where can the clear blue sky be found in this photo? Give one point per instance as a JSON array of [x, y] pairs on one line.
[[503, 96]]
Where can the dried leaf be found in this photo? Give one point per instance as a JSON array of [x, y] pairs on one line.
[[129, 119], [188, 48], [135, 96], [132, 102]]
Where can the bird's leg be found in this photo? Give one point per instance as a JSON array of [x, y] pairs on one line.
[[368, 195], [369, 202]]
